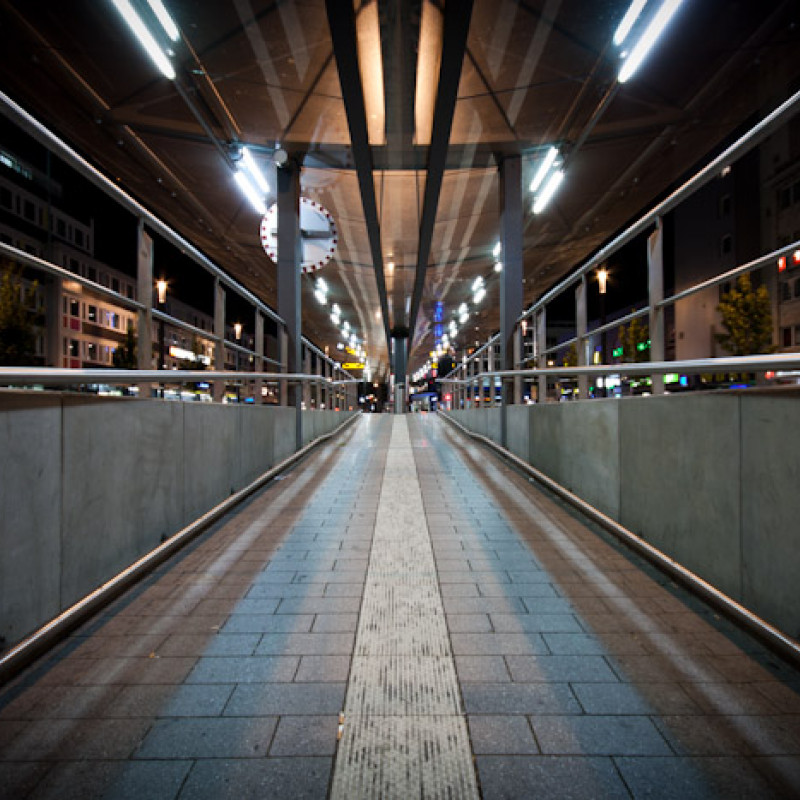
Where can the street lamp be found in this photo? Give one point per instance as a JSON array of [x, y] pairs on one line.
[[602, 284], [161, 296]]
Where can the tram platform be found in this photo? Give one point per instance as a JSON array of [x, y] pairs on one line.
[[404, 615]]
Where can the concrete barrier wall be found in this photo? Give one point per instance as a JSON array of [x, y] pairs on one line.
[[709, 479], [88, 485]]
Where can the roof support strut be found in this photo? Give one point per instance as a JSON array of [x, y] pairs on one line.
[[454, 45]]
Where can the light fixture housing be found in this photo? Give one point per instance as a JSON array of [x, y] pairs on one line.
[[631, 15], [546, 195], [250, 192], [648, 39], [167, 23], [146, 39]]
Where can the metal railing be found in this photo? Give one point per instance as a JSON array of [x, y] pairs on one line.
[[472, 372]]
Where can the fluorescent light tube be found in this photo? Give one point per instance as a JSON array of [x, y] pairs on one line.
[[544, 169], [549, 190], [250, 192], [498, 248], [165, 19], [479, 295], [631, 15], [145, 38], [477, 283], [253, 171], [649, 38]]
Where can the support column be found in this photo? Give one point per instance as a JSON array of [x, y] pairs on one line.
[[306, 384], [518, 345], [399, 355], [541, 356], [144, 293], [219, 333], [511, 276], [320, 371], [655, 272], [490, 367], [289, 278], [259, 364], [582, 344]]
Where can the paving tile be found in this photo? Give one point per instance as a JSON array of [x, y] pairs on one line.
[[320, 605], [559, 669], [286, 698], [269, 623], [692, 779], [320, 669], [46, 740], [200, 644], [546, 777], [305, 736], [323, 644], [335, 623], [586, 644], [197, 701], [487, 644], [535, 623], [519, 698], [628, 698], [244, 669], [481, 669], [599, 735], [123, 780], [209, 737], [501, 735], [17, 779], [267, 779], [469, 623]]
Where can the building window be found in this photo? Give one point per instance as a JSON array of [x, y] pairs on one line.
[[78, 237], [129, 291], [91, 351], [115, 284], [6, 200], [726, 244], [74, 308], [91, 274], [73, 348], [61, 228], [787, 336], [91, 313], [724, 206], [28, 210]]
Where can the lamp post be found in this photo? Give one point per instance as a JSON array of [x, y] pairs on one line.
[[602, 283], [161, 293]]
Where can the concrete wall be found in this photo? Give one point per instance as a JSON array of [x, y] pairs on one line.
[[88, 485], [709, 479]]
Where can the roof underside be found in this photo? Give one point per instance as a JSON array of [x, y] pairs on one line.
[[532, 74]]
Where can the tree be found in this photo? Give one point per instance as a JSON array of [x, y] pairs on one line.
[[125, 356], [635, 341], [17, 321], [571, 356], [746, 318]]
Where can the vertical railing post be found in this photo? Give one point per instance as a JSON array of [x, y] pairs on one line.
[[219, 334], [582, 343], [655, 272]]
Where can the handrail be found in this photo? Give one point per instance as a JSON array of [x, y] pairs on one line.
[[10, 376], [759, 363]]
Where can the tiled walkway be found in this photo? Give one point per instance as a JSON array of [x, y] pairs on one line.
[[582, 673]]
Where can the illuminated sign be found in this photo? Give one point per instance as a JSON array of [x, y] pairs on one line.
[[188, 355], [353, 365], [782, 264]]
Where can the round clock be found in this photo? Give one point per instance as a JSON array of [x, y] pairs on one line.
[[318, 235]]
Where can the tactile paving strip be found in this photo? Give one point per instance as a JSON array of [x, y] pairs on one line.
[[391, 757], [404, 734]]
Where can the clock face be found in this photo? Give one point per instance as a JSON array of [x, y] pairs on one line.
[[318, 235]]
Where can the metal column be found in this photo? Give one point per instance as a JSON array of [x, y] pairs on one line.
[[399, 344], [289, 278], [219, 333], [582, 345], [655, 272], [511, 276], [541, 356], [259, 348]]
